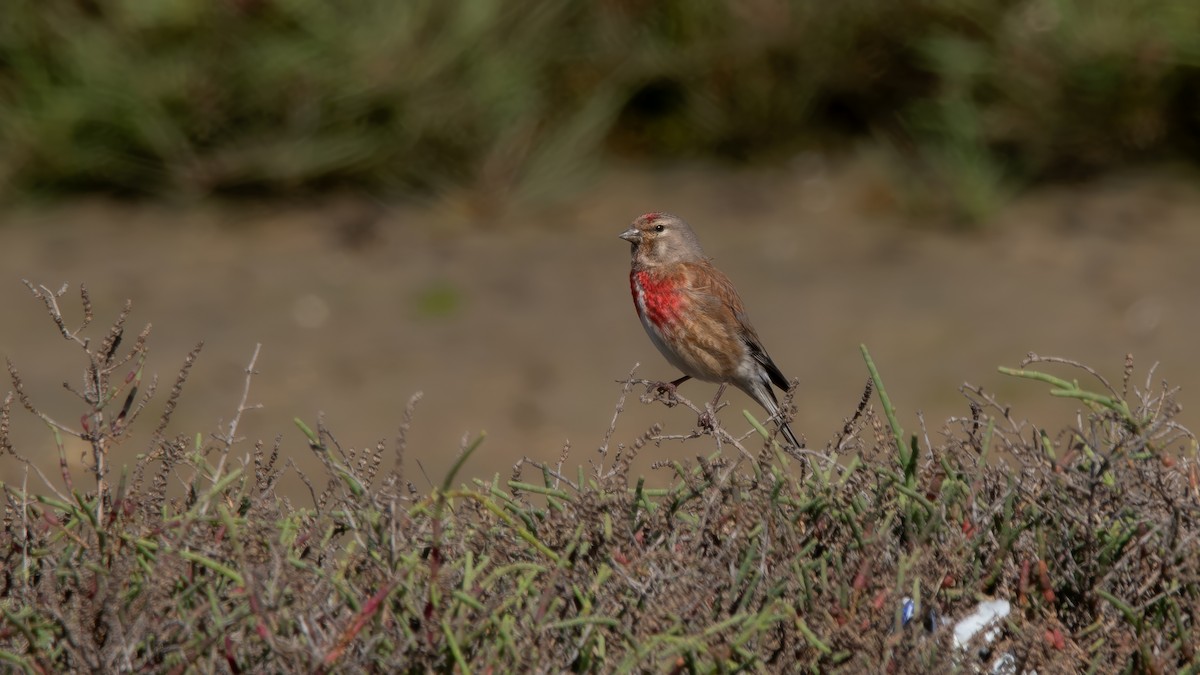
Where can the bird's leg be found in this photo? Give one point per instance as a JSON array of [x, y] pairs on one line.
[[708, 418], [666, 390]]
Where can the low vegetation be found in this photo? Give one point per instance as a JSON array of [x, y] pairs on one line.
[[752, 559]]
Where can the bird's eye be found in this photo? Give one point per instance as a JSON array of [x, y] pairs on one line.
[[659, 228]]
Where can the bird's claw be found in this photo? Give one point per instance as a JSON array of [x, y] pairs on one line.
[[662, 391], [707, 421]]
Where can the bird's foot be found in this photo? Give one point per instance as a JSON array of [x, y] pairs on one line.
[[662, 391], [707, 421]]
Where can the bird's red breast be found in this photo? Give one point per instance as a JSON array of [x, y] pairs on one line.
[[656, 296]]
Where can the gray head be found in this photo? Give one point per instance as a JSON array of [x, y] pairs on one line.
[[662, 239]]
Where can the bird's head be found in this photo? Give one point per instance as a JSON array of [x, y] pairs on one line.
[[662, 239]]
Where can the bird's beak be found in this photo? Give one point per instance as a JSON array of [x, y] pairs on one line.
[[632, 235]]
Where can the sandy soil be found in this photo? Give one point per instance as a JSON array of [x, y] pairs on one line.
[[521, 327]]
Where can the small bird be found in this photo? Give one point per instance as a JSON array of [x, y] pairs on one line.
[[693, 314]]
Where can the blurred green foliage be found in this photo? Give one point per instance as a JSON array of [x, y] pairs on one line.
[[204, 96], [438, 300]]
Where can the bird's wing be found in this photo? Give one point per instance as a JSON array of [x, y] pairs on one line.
[[760, 355], [715, 295]]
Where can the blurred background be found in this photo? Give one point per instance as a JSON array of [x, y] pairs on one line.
[[396, 197]]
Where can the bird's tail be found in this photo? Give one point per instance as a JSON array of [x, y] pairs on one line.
[[787, 433], [762, 392]]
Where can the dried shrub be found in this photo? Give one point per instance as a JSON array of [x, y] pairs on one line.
[[752, 558]]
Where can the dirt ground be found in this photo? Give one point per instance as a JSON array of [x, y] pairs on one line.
[[522, 326]]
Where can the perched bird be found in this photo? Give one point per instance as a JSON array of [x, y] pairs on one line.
[[693, 314]]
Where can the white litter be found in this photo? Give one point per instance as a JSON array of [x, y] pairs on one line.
[[985, 614]]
